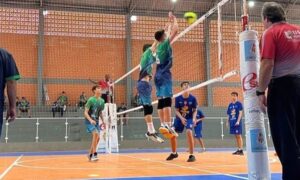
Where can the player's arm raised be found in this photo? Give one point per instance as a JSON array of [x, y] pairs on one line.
[[174, 26], [92, 81]]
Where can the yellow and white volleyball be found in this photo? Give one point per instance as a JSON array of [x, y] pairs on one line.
[[190, 17]]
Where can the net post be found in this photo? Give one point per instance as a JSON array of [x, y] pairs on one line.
[[37, 130], [66, 136], [256, 141], [222, 128], [6, 131]]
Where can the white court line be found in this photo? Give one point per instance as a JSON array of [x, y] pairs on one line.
[[81, 168], [10, 167], [185, 167], [134, 177]]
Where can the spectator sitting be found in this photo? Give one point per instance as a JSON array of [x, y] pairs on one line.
[[82, 100], [123, 117], [24, 107], [17, 102], [57, 108], [62, 100]]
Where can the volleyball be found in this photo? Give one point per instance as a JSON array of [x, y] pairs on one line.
[[190, 17]]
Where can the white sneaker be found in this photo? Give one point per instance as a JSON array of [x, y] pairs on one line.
[[154, 137], [94, 158]]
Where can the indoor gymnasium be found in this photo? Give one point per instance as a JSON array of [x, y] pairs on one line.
[[149, 89]]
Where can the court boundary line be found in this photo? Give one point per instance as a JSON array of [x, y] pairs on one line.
[[23, 164], [7, 170], [163, 176], [182, 166]]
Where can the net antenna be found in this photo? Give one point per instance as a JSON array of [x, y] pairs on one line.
[[220, 40]]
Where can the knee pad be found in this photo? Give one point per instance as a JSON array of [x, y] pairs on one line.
[[160, 104], [148, 110], [167, 102]]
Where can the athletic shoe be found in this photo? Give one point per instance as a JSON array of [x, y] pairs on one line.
[[172, 156], [241, 152], [94, 158], [154, 137], [167, 132], [89, 156], [238, 152], [202, 151], [191, 158], [172, 131]]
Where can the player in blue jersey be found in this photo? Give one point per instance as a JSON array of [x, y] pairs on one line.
[[198, 129], [163, 76], [235, 112], [186, 111], [144, 89]]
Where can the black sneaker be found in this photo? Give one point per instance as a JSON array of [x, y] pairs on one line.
[[89, 156], [238, 152], [172, 156], [154, 137], [191, 158]]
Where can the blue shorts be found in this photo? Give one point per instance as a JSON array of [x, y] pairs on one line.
[[163, 85], [144, 89], [236, 129], [165, 90], [91, 127], [179, 127], [198, 130]]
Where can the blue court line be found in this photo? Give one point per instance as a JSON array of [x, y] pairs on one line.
[[47, 153], [275, 176]]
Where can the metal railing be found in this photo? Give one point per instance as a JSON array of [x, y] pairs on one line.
[[68, 120]]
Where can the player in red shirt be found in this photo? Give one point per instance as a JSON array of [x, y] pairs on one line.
[[280, 72], [107, 88]]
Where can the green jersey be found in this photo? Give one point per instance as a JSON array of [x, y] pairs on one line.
[[164, 61], [164, 52], [147, 60], [95, 106]]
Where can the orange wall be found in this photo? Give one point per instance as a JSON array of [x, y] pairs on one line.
[[24, 50], [81, 58], [84, 58], [222, 95]]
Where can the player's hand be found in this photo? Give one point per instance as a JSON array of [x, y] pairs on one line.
[[93, 122], [183, 121], [195, 121], [11, 114], [171, 16], [263, 103], [237, 124]]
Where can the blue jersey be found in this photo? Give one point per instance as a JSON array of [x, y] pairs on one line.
[[233, 111], [199, 115], [186, 106]]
